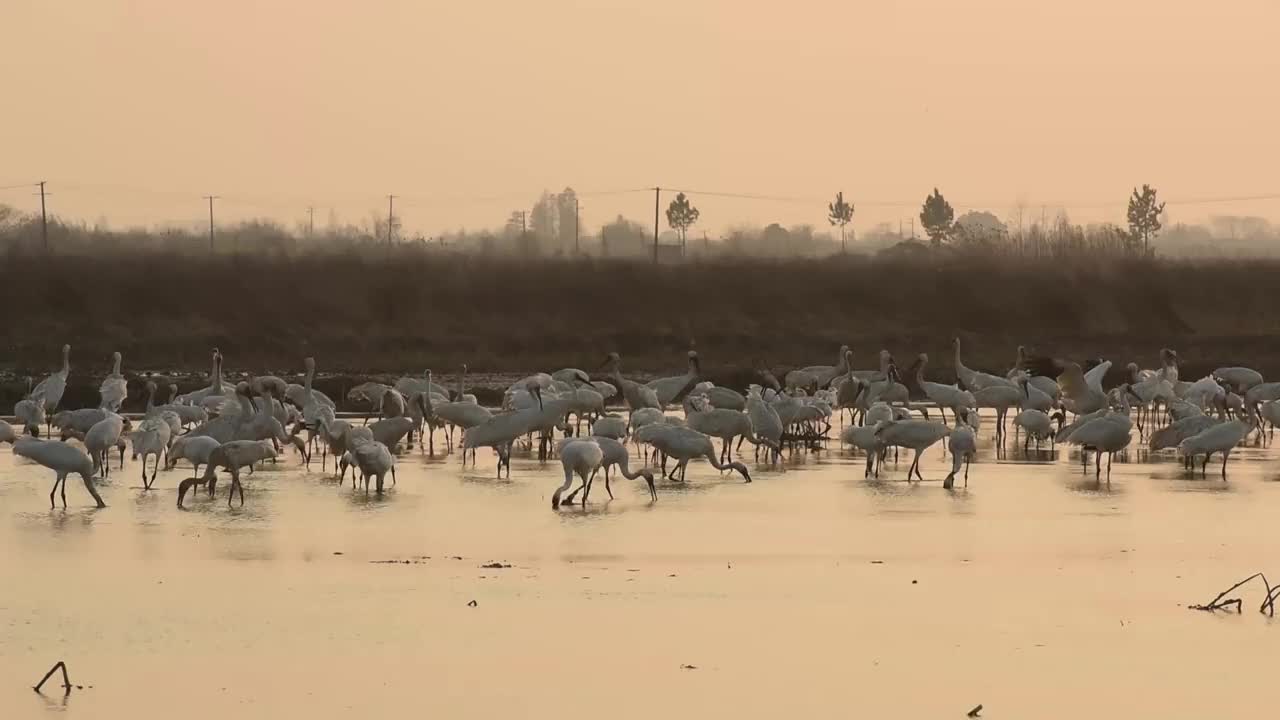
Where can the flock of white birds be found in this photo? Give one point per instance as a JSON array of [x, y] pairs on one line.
[[234, 426]]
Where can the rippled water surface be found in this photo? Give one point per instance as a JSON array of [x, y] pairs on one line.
[[809, 593]]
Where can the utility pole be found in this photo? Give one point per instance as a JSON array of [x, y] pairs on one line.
[[311, 221], [44, 219], [913, 227], [391, 219], [211, 198], [657, 193], [577, 247]]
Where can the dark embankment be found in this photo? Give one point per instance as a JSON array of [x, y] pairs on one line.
[[405, 311]]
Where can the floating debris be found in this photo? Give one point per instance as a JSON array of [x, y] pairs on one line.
[[495, 566], [976, 711], [688, 667], [473, 603]]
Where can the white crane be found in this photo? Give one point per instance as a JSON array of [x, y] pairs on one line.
[[500, 431], [1033, 398], [819, 375], [1108, 433], [685, 444], [188, 415], [217, 388], [195, 450], [723, 424], [1239, 379], [577, 456], [390, 431], [101, 438], [232, 456], [1036, 425], [963, 445], [612, 453], [636, 395], [51, 389], [610, 426], [8, 434], [114, 388], [262, 424], [462, 413], [669, 388], [722, 398], [1172, 435], [29, 412], [75, 423], [374, 460], [1000, 398], [1083, 394], [151, 437], [1043, 383], [867, 439], [973, 380], [63, 459], [1269, 413], [916, 435], [944, 396], [1221, 438], [765, 423]]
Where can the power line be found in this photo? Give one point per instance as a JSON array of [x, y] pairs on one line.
[[18, 186]]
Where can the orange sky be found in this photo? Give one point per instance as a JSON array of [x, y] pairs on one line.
[[133, 110]]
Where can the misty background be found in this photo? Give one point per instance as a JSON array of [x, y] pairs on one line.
[[302, 117]]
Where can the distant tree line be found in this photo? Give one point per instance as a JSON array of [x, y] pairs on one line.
[[550, 229]]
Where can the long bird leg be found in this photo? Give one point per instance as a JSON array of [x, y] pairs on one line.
[[88, 485], [235, 483], [57, 479]]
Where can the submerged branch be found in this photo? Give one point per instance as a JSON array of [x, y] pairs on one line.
[[1222, 602]]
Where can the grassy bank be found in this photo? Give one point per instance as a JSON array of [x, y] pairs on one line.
[[407, 311]]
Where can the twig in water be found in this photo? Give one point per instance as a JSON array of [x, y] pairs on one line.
[[66, 681], [976, 711], [1222, 602]]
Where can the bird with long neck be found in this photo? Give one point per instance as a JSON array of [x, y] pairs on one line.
[[578, 456], [685, 444], [636, 395], [64, 459], [614, 453]]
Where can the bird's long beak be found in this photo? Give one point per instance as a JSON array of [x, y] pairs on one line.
[[537, 392]]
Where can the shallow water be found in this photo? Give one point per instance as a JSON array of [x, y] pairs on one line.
[[809, 593]]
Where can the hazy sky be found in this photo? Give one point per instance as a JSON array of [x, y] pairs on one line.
[[133, 110]]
